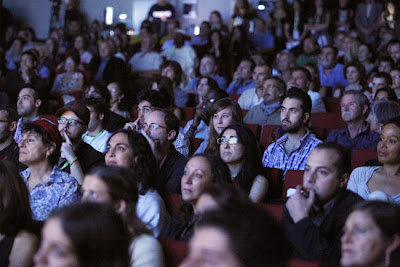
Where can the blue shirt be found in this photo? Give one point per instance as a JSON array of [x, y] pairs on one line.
[[275, 155], [61, 189], [220, 80], [366, 139], [238, 88], [334, 78], [263, 40]]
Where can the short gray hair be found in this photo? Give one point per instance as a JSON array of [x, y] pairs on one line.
[[362, 98], [384, 111]]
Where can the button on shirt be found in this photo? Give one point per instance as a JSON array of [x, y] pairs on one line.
[[61, 189], [275, 155], [366, 139]]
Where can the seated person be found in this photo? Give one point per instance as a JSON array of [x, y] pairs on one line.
[[290, 152], [208, 67], [366, 181], [357, 134], [314, 222], [380, 221], [242, 78], [238, 148], [48, 186], [147, 59], [200, 171], [96, 136], [77, 157], [330, 71], [254, 96], [268, 112]]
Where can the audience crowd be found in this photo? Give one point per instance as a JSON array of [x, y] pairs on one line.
[[242, 145]]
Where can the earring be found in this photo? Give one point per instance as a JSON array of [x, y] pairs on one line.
[[387, 259]]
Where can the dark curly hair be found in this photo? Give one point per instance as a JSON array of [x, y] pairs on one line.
[[145, 164]]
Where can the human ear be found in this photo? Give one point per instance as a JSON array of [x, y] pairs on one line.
[[120, 206], [344, 180], [171, 134]]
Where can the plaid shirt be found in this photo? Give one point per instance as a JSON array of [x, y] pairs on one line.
[[275, 155]]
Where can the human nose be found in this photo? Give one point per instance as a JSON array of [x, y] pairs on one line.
[[310, 177], [40, 258], [346, 237], [188, 179]]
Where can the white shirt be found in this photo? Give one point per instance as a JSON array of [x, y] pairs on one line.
[[98, 142], [249, 99], [145, 61], [151, 210]]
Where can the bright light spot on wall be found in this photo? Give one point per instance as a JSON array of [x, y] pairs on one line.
[[261, 7], [196, 30], [123, 16], [109, 15]]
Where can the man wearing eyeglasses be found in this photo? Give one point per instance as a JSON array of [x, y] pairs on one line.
[[77, 157], [268, 112], [28, 104], [161, 128], [8, 148]]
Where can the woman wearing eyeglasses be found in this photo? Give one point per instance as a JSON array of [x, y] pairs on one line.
[[130, 149], [48, 186], [239, 150], [200, 171], [118, 187]]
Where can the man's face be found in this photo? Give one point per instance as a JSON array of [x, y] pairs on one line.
[[384, 66], [394, 52], [95, 119], [27, 62], [155, 127], [299, 80], [327, 58], [292, 116], [6, 128], [207, 67], [259, 75], [104, 50], [144, 108], [339, 41], [26, 104], [351, 109], [395, 74], [363, 53], [74, 132], [378, 83], [271, 91], [244, 70], [322, 176]]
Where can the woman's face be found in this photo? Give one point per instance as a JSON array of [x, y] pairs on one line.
[[70, 64], [389, 145], [214, 19], [214, 37], [17, 46], [169, 73], [363, 243], [196, 175], [352, 75], [363, 53], [95, 190], [114, 92], [210, 246], [78, 43], [56, 248], [283, 62], [202, 87], [32, 150], [231, 153], [222, 119], [119, 151], [347, 44]]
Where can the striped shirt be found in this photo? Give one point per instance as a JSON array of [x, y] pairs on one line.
[[275, 155]]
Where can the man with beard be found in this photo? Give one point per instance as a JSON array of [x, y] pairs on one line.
[[290, 152], [331, 72], [28, 104], [314, 216], [77, 157], [161, 127], [357, 134]]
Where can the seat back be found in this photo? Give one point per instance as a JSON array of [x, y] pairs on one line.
[[360, 156], [255, 128], [274, 209], [293, 178], [268, 134], [174, 203], [324, 123], [303, 263], [332, 105], [174, 252]]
